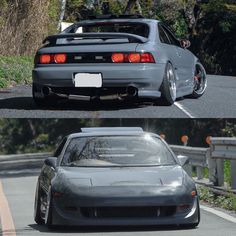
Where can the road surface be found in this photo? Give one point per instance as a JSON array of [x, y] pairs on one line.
[[218, 102], [19, 196]]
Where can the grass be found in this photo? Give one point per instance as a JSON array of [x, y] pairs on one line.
[[226, 202], [15, 70]]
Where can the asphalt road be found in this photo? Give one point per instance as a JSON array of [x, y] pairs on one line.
[[218, 102], [19, 193]]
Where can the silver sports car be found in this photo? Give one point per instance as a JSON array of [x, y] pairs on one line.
[[115, 176], [123, 57]]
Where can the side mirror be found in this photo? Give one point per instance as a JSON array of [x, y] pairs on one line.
[[183, 160], [185, 43], [51, 161]]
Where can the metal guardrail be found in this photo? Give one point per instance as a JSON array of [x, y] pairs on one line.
[[224, 149], [212, 158], [22, 161]]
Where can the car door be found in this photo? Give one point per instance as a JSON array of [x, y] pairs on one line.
[[184, 60]]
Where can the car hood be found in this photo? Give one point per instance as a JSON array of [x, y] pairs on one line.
[[163, 185], [124, 176]]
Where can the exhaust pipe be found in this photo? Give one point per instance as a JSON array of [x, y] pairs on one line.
[[47, 91], [132, 91]]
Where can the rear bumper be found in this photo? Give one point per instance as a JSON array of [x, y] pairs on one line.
[[146, 78], [76, 219]]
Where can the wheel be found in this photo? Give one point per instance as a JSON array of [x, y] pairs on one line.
[[168, 87], [48, 213], [43, 101], [37, 206], [200, 81]]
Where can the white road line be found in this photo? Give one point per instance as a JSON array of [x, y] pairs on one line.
[[8, 227], [183, 109], [219, 213]]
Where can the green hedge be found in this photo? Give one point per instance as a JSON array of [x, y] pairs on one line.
[[15, 70]]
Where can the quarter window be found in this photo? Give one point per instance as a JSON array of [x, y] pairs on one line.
[[163, 36], [171, 37]]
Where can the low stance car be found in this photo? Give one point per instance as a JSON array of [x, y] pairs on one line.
[[117, 57], [115, 176]]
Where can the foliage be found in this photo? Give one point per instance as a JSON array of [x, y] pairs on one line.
[[24, 25], [227, 202], [19, 135], [15, 70], [210, 25], [24, 135]]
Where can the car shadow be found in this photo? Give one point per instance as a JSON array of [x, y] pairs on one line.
[[103, 229], [27, 103]]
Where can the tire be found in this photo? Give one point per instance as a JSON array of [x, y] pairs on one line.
[[168, 87], [200, 81], [37, 206], [48, 215], [43, 101]]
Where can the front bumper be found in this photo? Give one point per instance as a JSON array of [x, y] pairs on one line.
[[76, 218], [146, 78]]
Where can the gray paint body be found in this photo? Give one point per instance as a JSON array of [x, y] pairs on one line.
[[118, 187], [147, 78]]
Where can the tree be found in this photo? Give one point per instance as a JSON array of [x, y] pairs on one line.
[[62, 13]]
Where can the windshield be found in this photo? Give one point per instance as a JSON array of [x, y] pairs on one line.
[[117, 151], [140, 29]]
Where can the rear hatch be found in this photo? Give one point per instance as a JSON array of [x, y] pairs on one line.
[[95, 42]]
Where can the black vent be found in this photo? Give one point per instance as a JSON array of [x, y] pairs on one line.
[[127, 212], [89, 58]]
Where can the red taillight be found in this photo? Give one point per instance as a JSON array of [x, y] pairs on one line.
[[45, 59], [60, 58], [147, 58], [118, 57], [132, 58]]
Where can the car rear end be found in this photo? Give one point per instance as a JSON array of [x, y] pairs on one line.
[[81, 62]]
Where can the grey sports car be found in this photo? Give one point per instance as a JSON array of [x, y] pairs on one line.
[[115, 176], [117, 57]]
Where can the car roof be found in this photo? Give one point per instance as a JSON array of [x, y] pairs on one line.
[[118, 20], [105, 131]]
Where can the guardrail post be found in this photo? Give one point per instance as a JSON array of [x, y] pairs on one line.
[[199, 172], [220, 172], [188, 168], [212, 167], [233, 174]]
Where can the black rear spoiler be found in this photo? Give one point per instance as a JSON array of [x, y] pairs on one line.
[[104, 36]]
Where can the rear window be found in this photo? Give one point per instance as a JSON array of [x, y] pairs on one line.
[[140, 29], [117, 150]]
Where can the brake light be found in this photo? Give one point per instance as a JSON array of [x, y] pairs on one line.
[[132, 58], [60, 58], [118, 57], [45, 59], [147, 58]]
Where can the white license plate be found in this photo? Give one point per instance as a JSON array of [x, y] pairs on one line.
[[88, 80]]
